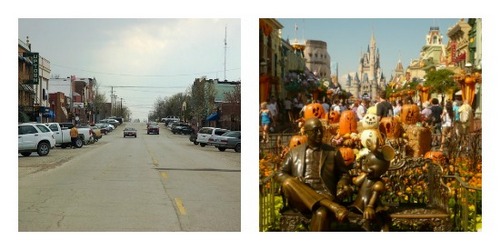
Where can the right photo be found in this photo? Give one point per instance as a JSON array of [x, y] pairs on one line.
[[370, 124]]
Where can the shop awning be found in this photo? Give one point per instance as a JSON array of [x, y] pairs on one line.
[[213, 117], [26, 87]]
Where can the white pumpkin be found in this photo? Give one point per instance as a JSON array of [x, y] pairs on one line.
[[370, 121]]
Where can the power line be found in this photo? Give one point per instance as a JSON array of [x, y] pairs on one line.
[[134, 75]]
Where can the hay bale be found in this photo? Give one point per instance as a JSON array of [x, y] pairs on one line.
[[419, 140]]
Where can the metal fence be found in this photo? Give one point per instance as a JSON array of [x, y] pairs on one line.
[[465, 204]]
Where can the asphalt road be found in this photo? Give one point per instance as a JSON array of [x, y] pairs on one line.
[[152, 183]]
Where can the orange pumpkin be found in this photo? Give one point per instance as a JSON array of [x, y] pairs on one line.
[[333, 117], [391, 127], [314, 110], [410, 114], [436, 157], [348, 123], [297, 140], [348, 154]]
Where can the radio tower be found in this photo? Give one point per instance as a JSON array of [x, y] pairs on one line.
[[225, 49]]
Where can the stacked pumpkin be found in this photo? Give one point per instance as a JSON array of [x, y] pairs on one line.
[[419, 137]]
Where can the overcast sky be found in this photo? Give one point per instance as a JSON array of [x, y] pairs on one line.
[[142, 59]]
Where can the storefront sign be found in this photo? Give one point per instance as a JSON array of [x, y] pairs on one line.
[[34, 59]]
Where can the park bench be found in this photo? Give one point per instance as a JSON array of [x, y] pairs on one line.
[[416, 196]]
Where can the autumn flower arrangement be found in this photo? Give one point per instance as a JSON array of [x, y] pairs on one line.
[[296, 81]]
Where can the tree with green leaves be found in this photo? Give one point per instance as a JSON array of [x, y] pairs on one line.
[[440, 81]]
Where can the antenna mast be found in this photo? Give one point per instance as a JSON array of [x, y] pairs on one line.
[[225, 49]]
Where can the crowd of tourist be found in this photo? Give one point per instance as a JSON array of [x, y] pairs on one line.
[[444, 118]]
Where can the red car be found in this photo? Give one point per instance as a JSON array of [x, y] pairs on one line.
[[153, 129]]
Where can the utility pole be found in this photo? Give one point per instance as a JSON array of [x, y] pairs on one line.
[[225, 49], [112, 100]]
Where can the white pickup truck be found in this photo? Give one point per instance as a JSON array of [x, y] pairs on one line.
[[63, 138]]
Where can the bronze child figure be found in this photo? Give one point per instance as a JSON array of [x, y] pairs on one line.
[[371, 186]]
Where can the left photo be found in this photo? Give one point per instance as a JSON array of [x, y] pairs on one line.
[[129, 125]]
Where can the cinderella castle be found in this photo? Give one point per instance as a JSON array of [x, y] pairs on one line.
[[369, 79]]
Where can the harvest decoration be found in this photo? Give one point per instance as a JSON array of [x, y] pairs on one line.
[[296, 81]]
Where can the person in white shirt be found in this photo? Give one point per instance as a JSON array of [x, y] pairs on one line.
[[287, 103], [447, 123], [273, 108], [398, 107], [361, 110]]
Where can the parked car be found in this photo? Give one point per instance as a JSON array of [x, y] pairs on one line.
[[118, 118], [153, 129], [230, 139], [129, 132], [206, 132], [84, 132], [62, 136], [108, 126], [169, 119], [113, 122], [35, 137], [104, 127], [182, 128]]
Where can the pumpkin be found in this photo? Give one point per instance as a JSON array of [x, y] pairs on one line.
[[348, 123], [410, 114], [297, 140], [333, 117], [436, 157], [314, 110], [348, 154], [391, 127]]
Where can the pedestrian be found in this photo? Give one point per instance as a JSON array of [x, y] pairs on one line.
[[287, 103], [456, 106], [447, 123], [384, 108], [73, 133], [426, 113], [265, 121], [436, 110], [465, 115], [272, 106], [397, 109], [361, 110]]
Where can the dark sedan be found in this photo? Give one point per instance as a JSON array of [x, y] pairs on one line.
[[182, 128], [153, 129], [129, 132]]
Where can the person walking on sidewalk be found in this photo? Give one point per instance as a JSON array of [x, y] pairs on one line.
[[265, 121], [73, 132]]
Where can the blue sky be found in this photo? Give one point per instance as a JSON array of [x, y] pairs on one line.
[[347, 38], [152, 58]]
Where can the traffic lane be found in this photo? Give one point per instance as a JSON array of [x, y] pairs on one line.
[[211, 198], [113, 189]]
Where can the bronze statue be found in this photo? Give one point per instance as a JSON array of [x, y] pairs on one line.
[[311, 175], [371, 186]]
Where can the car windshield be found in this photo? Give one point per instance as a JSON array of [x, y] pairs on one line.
[[129, 129]]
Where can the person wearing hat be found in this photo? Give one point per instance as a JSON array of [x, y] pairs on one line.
[[310, 176]]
